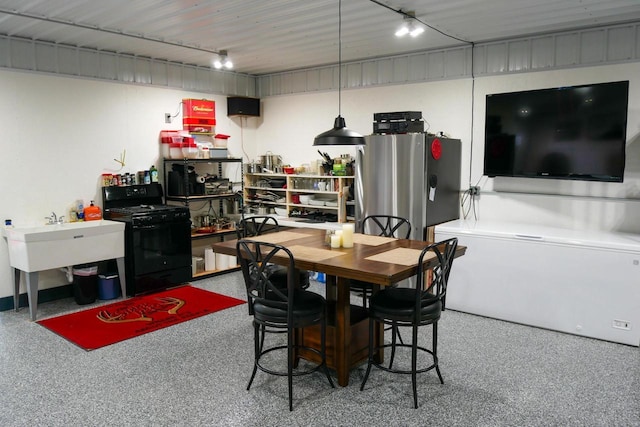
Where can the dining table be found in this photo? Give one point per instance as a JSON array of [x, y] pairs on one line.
[[382, 261]]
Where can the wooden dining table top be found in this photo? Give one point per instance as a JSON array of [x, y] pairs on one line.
[[375, 259]]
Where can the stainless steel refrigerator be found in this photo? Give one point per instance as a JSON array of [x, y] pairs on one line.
[[413, 175]]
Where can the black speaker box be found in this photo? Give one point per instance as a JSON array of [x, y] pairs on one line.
[[243, 106]]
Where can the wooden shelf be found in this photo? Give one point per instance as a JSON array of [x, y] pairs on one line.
[[335, 191], [197, 236], [212, 273]]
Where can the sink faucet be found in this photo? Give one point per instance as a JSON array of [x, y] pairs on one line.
[[53, 219]]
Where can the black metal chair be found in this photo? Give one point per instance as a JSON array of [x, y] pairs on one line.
[[280, 309], [262, 224], [256, 225], [413, 307], [381, 225], [387, 226]]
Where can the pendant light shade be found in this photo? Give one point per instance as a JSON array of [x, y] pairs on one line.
[[339, 135]]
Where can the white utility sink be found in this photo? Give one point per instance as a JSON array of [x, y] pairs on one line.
[[50, 246], [44, 247]]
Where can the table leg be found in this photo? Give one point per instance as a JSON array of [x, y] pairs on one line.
[[343, 331], [378, 331], [32, 293], [16, 289], [121, 276]]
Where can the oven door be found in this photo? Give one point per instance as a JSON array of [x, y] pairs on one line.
[[158, 247]]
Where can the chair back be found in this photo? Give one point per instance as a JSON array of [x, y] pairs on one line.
[[444, 253], [387, 226], [255, 260], [256, 225]]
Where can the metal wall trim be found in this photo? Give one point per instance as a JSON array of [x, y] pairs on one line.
[[570, 49], [55, 59]]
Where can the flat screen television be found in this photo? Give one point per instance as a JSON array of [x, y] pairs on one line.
[[575, 132]]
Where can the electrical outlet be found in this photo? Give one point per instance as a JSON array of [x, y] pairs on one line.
[[474, 190], [621, 324], [167, 117]]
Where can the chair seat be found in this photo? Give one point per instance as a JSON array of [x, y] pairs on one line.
[[278, 275], [308, 307], [399, 304]]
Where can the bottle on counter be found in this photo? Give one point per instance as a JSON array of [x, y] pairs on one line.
[[147, 177], [154, 173], [92, 212], [73, 214], [80, 210]]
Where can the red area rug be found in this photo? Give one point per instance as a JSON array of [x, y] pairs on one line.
[[108, 324]]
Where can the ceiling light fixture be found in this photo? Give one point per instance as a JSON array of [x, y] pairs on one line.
[[223, 61], [339, 135], [409, 26]]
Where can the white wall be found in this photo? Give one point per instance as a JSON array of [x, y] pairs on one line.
[[291, 122], [59, 134]]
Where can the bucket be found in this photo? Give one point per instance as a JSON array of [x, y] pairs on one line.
[[108, 286]]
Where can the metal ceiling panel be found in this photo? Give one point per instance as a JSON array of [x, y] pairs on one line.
[[265, 37]]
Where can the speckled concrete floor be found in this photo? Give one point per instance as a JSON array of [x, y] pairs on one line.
[[195, 374]]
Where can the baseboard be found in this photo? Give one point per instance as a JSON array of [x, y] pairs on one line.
[[44, 295]]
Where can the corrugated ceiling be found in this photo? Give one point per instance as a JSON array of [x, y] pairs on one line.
[[265, 37]]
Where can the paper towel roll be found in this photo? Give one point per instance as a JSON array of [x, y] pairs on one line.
[[233, 261], [221, 261], [209, 259]]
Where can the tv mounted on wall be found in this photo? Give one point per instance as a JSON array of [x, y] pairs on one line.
[[574, 132]]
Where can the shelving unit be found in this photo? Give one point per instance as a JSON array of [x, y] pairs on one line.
[[180, 189], [328, 194]]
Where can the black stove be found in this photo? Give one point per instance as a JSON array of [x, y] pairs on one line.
[[148, 214], [157, 237]]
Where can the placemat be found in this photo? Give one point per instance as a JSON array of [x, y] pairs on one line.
[[279, 237], [366, 239], [313, 254], [402, 256]]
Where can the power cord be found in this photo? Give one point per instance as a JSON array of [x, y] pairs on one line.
[[469, 199]]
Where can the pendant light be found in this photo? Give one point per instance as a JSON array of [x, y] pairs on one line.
[[339, 135]]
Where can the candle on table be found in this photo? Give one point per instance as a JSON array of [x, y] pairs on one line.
[[335, 241], [347, 235], [339, 234]]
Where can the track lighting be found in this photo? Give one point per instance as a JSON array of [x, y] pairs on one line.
[[223, 61], [410, 26]]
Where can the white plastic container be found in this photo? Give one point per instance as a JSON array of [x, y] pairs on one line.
[[175, 150], [165, 150], [220, 141], [190, 150]]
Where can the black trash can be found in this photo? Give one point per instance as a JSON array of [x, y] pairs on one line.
[[85, 284]]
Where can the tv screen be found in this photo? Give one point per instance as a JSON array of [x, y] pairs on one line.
[[576, 132]]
